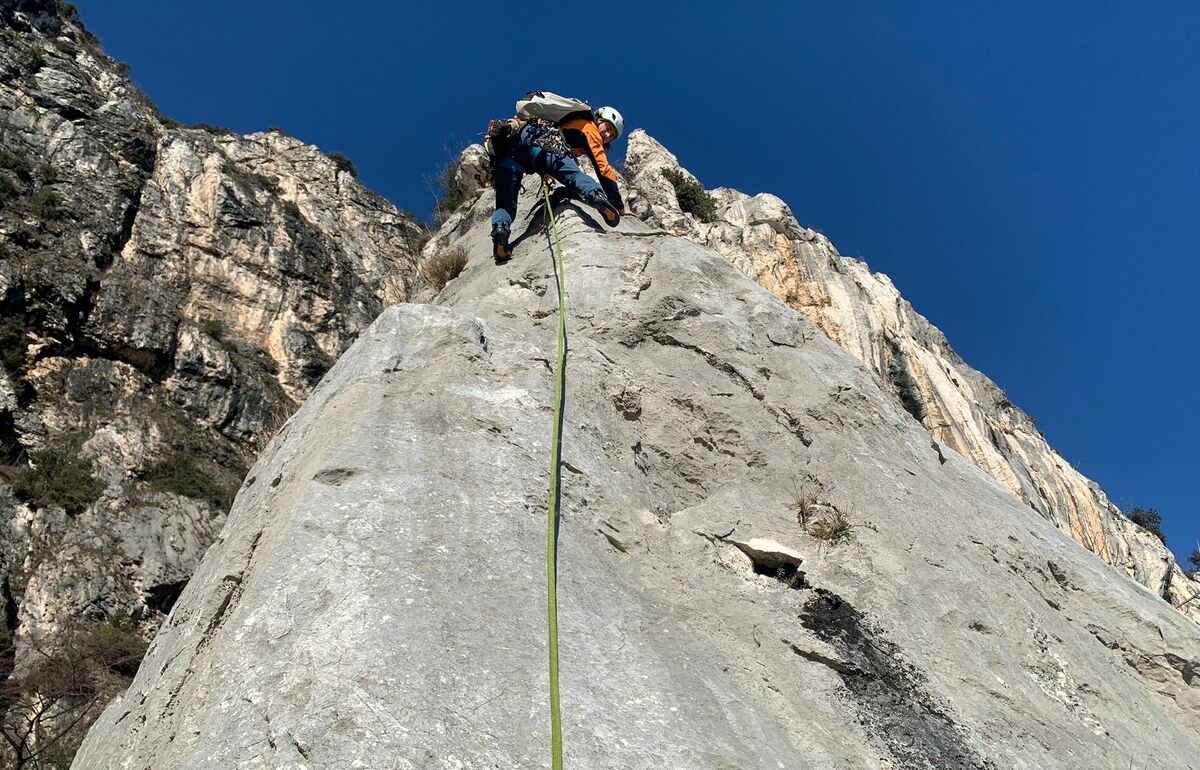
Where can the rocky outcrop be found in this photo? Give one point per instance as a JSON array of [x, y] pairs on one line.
[[168, 296], [378, 588], [864, 314]]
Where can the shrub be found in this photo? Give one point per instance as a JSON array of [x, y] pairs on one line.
[[249, 180], [35, 61], [15, 163], [58, 476], [45, 204], [12, 344], [8, 188], [443, 267], [211, 129], [213, 328], [291, 209], [691, 195], [1194, 559], [1149, 520], [179, 473], [70, 12], [343, 163], [834, 528]]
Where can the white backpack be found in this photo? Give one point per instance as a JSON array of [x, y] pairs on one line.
[[543, 105]]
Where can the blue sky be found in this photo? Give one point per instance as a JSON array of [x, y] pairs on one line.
[[1027, 173]]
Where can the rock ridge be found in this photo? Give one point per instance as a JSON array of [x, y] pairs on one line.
[[378, 588], [863, 312]]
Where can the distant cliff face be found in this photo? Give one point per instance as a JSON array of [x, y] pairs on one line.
[[168, 296], [378, 591], [864, 314]]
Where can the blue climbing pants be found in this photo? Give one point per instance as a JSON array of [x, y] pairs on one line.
[[522, 156]]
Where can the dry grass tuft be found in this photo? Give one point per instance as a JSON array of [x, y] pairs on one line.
[[444, 267]]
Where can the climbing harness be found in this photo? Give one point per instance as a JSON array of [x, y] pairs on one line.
[[560, 375]]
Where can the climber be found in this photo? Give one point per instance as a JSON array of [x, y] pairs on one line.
[[522, 147], [592, 136]]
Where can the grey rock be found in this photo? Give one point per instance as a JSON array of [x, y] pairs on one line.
[[376, 598], [179, 291], [864, 313]]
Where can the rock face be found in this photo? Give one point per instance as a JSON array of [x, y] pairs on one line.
[[168, 295], [378, 590], [864, 314]]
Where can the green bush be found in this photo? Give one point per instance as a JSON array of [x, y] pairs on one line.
[[20, 167], [45, 204], [250, 180], [1194, 559], [213, 328], [15, 163], [343, 163], [8, 188], [12, 344], [178, 473], [70, 12], [1149, 520], [58, 476], [211, 129], [291, 209], [691, 195]]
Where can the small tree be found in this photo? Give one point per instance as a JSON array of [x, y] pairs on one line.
[[48, 704], [1194, 559], [1148, 519], [450, 198]]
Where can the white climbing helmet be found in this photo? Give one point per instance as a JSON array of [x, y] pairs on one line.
[[612, 118]]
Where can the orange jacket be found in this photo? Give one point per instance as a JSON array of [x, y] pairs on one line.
[[583, 136]]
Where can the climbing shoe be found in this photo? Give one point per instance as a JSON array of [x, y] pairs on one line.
[[599, 201], [501, 251]]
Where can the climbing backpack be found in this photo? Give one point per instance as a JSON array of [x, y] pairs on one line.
[[543, 106]]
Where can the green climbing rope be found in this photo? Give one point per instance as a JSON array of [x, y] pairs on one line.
[[552, 519]]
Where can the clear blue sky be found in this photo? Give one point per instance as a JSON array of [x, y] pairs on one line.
[[1028, 173]]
